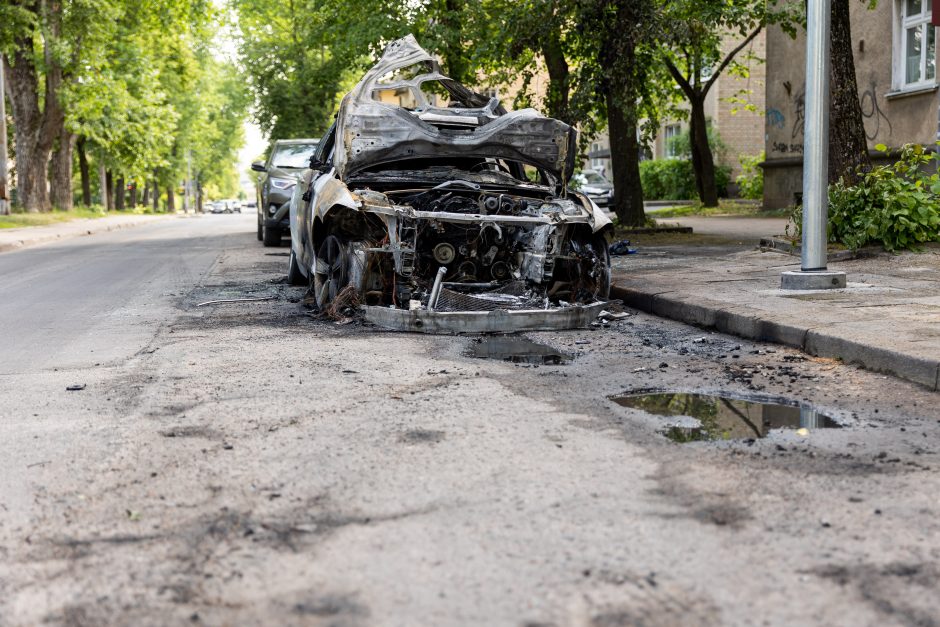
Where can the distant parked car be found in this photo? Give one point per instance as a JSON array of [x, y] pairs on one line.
[[289, 157], [234, 205], [217, 207], [593, 185]]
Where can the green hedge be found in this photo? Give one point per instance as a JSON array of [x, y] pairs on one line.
[[674, 179]]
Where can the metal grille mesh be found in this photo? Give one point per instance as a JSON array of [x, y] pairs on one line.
[[509, 296]]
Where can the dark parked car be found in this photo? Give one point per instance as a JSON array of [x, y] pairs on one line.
[[289, 157], [595, 185], [438, 210]]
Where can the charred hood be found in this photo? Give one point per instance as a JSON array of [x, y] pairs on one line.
[[394, 114]]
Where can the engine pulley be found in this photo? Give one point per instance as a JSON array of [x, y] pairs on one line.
[[444, 253]]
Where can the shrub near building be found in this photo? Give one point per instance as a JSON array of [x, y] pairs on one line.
[[896, 206], [674, 179]]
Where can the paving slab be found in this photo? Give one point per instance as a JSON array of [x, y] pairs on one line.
[[887, 319]]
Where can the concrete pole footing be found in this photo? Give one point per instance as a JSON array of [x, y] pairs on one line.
[[812, 280]]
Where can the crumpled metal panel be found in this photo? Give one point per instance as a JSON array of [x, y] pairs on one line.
[[370, 132], [499, 321]]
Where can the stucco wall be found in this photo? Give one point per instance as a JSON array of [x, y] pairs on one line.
[[890, 119]]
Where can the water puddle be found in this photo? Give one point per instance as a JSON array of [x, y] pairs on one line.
[[707, 417], [518, 350]]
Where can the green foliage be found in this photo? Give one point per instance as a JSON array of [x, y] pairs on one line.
[[674, 179], [896, 206], [751, 180]]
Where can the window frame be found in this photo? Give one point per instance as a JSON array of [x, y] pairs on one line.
[[676, 129], [903, 22]]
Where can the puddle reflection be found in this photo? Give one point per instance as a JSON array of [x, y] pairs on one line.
[[717, 417]]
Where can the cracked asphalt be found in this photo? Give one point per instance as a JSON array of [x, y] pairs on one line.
[[248, 464]]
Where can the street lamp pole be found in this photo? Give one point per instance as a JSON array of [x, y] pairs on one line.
[[813, 274]]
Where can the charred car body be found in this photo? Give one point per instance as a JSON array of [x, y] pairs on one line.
[[446, 218]]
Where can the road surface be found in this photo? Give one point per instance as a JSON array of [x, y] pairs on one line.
[[250, 464]]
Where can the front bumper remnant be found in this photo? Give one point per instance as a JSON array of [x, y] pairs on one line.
[[499, 321]]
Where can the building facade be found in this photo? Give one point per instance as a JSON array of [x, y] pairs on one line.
[[740, 128], [894, 45]]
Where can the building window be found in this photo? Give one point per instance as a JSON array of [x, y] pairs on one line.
[[915, 45], [669, 146]]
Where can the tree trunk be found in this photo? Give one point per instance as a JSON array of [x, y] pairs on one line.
[[60, 172], [103, 186], [109, 179], [146, 199], [35, 129], [199, 196], [119, 193], [170, 200], [848, 146], [703, 162], [156, 193], [558, 74], [134, 194], [83, 172], [625, 164]]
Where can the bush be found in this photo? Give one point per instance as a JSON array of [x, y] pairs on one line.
[[751, 180], [896, 206], [674, 179]]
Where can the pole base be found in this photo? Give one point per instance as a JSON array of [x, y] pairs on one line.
[[812, 280]]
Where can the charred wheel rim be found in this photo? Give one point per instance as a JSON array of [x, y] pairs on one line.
[[331, 271]]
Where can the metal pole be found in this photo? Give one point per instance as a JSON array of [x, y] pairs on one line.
[[4, 197], [813, 274], [816, 142]]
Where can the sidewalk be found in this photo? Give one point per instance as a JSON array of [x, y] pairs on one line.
[[14, 239], [887, 320]]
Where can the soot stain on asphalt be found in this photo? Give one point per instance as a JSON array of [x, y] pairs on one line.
[[516, 349], [422, 436], [725, 416]]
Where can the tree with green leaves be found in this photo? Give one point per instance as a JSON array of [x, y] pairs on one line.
[[620, 77], [695, 55], [46, 44]]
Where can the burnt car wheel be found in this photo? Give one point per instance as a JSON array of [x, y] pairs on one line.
[[331, 270], [584, 276], [294, 275]]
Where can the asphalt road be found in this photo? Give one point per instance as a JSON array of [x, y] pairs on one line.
[[250, 464]]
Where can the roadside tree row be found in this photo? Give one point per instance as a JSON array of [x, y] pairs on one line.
[[131, 93]]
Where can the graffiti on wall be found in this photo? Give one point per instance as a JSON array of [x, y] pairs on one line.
[[796, 105], [872, 111]]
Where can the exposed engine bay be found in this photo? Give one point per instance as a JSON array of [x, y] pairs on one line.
[[486, 249]]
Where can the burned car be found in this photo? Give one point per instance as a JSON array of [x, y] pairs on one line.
[[437, 210]]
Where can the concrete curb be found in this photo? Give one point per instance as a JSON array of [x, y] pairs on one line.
[[754, 324], [45, 237]]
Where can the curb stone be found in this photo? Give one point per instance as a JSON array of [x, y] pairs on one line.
[[26, 242], [754, 324]]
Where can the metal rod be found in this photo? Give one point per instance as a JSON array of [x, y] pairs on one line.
[[816, 137], [436, 289]]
